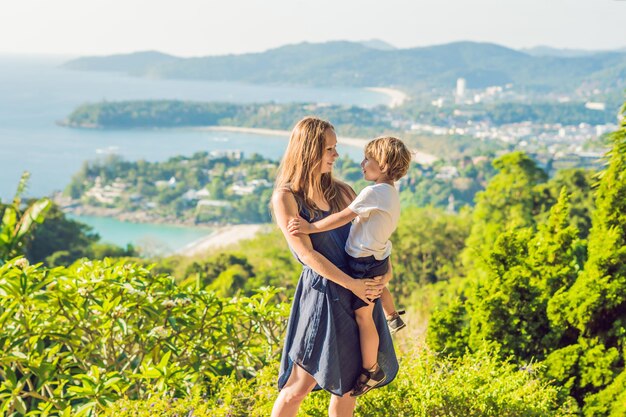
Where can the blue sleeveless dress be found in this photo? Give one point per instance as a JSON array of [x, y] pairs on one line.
[[322, 333]]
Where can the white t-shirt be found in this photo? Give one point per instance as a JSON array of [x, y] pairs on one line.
[[378, 211]]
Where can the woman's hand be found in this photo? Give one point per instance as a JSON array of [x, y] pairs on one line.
[[299, 225], [367, 289], [375, 287]]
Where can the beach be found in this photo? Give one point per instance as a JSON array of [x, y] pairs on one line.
[[397, 97], [222, 237]]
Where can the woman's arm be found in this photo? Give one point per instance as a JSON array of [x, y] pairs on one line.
[[285, 208], [333, 221]]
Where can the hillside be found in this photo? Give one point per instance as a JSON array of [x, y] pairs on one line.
[[341, 63]]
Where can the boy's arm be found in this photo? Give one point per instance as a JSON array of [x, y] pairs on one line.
[[328, 223], [333, 221]]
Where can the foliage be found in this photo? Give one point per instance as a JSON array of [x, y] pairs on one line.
[[449, 329], [510, 306], [579, 186], [453, 183], [174, 113], [273, 263], [427, 385], [61, 241], [541, 292], [563, 113], [264, 260], [15, 225], [595, 305], [78, 338], [426, 247], [510, 201]]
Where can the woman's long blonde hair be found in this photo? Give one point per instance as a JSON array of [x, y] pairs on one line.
[[301, 164]]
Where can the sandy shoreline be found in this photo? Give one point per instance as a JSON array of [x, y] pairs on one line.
[[223, 236], [255, 130], [397, 97], [418, 156]]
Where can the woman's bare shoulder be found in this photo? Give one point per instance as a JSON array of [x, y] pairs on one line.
[[283, 196]]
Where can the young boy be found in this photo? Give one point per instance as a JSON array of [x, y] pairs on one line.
[[376, 211]]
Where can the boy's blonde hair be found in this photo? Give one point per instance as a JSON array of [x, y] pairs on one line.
[[391, 154]]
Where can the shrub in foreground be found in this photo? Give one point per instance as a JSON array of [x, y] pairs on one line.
[[74, 340], [477, 385]]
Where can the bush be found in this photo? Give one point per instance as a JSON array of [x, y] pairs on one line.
[[77, 339], [427, 386]]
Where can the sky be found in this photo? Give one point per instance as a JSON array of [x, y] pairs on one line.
[[212, 27]]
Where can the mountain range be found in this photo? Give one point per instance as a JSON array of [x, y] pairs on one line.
[[377, 64]]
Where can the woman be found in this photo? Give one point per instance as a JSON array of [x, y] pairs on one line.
[[322, 345]]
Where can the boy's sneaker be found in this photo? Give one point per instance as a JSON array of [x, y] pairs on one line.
[[395, 322]]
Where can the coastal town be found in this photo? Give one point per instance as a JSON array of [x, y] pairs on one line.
[[553, 145], [454, 134], [224, 187], [214, 188]]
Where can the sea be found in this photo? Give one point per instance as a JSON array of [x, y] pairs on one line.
[[36, 93]]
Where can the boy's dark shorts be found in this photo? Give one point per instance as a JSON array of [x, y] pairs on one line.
[[366, 267]]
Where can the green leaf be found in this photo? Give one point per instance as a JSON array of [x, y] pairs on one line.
[[35, 214], [150, 373], [21, 187], [8, 221], [85, 409], [172, 321], [122, 325], [20, 405], [164, 360], [112, 383], [11, 378]]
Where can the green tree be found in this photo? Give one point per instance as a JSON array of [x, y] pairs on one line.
[[510, 201], [527, 268], [426, 247], [58, 233], [595, 305], [208, 271], [61, 241], [508, 306], [579, 185]]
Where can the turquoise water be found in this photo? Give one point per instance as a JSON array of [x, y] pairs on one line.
[[154, 238], [35, 93]]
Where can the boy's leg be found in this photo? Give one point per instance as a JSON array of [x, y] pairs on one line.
[[368, 335], [394, 321], [387, 302], [372, 375]]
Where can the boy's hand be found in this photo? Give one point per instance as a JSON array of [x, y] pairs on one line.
[[299, 225]]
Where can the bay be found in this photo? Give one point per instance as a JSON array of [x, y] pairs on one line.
[[35, 93], [153, 239]]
